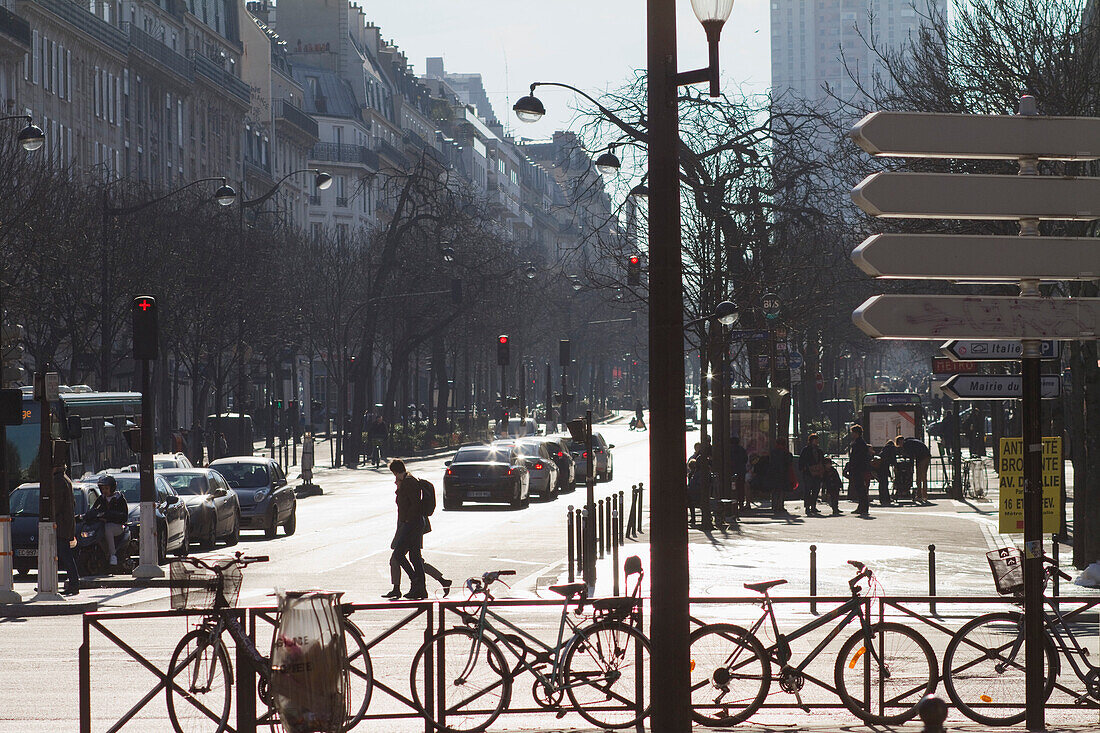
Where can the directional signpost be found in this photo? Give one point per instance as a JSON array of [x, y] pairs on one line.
[[1029, 319], [997, 387], [974, 351], [943, 366]]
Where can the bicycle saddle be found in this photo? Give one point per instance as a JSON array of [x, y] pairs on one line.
[[763, 586], [569, 589], [614, 604]]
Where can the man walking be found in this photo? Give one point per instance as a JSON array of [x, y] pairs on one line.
[[409, 537], [858, 471], [811, 464], [65, 520], [922, 459]]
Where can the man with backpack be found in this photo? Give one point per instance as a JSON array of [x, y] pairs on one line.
[[415, 504]]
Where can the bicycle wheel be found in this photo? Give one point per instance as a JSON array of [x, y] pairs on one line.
[[603, 673], [473, 680], [903, 669], [360, 675], [201, 702], [983, 668], [730, 674]]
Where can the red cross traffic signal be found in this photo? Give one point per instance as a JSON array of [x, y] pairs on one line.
[[634, 270], [502, 350], [144, 312]]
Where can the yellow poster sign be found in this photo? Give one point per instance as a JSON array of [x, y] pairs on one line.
[[1010, 469]]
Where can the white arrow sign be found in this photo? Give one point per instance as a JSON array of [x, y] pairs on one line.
[[993, 258], [974, 196], [997, 137], [971, 350], [938, 317], [996, 387]]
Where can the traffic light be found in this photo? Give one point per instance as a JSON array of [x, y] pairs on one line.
[[133, 438], [144, 312], [634, 270], [278, 404], [502, 350], [456, 291], [563, 353]]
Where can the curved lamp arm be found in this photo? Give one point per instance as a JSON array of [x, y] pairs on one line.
[[127, 210], [626, 127], [271, 192]]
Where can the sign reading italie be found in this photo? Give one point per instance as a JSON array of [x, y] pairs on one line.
[[1010, 468]]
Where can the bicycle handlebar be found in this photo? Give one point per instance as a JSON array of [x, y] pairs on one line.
[[239, 559], [857, 565], [1055, 569]]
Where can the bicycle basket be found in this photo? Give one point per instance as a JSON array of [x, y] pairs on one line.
[[197, 588], [1008, 570]]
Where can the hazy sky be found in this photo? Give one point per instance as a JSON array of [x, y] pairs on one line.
[[591, 44]]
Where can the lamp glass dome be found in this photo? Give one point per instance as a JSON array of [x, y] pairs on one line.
[[225, 195], [448, 254], [576, 284], [531, 272], [529, 109], [608, 164], [323, 181], [32, 138], [712, 10], [640, 192], [726, 313]]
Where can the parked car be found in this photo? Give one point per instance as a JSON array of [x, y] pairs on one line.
[[266, 499], [213, 507], [486, 473], [518, 427], [603, 467], [541, 468], [173, 533], [24, 520], [567, 466], [171, 460]]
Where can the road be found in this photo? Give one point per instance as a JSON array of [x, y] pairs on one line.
[[342, 542]]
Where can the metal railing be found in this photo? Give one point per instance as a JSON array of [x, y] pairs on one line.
[[159, 52], [394, 155], [344, 153], [77, 15], [286, 110], [15, 27], [221, 77]]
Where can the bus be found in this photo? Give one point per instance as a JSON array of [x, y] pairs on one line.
[[92, 423]]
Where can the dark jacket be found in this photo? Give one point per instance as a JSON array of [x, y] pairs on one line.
[[408, 500], [915, 449], [114, 510], [811, 455], [740, 459], [779, 468], [859, 458], [64, 513]]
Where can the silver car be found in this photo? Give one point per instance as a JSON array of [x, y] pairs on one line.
[[603, 467], [541, 467]]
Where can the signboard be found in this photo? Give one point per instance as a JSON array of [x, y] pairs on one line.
[[1010, 469], [885, 425], [935, 317], [795, 359], [996, 350], [996, 387], [891, 398], [943, 365], [796, 376], [770, 305], [819, 382], [976, 257]]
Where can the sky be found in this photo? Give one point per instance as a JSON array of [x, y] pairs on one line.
[[592, 44]]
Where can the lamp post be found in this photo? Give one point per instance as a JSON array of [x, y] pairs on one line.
[[322, 181], [31, 138]]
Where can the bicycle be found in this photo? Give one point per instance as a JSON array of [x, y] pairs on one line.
[[731, 670], [201, 702], [975, 482], [595, 665], [983, 665]]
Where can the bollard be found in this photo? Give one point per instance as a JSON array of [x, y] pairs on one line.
[[616, 520], [813, 578], [569, 541], [599, 529], [579, 526], [641, 504], [632, 520], [932, 578], [933, 712], [609, 535], [619, 538], [1054, 557]]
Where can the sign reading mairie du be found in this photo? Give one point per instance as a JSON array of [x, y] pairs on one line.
[[996, 387], [971, 350]]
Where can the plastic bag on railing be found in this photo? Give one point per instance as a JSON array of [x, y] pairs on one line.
[[309, 679]]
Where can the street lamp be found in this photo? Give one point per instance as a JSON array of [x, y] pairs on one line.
[[225, 195], [639, 193], [448, 254], [713, 15], [608, 163], [31, 137], [726, 313], [531, 272]]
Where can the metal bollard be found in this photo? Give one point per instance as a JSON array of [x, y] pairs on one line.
[[1054, 557], [599, 529], [616, 525], [579, 526], [933, 712], [641, 504], [932, 578], [609, 534], [569, 541], [813, 578], [619, 538], [632, 520]]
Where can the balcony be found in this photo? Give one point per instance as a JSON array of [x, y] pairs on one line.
[[394, 155], [158, 52], [15, 28], [344, 153], [78, 17], [285, 110], [220, 77]]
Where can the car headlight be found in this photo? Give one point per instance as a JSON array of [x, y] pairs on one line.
[[261, 495]]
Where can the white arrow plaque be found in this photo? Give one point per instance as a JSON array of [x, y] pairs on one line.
[[936, 317]]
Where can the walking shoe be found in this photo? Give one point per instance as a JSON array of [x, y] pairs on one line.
[[417, 594], [393, 595], [446, 583], [71, 590], [114, 560]]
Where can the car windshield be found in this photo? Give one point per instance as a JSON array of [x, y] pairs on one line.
[[130, 488], [481, 455], [165, 463], [192, 484], [244, 475], [24, 502], [528, 449]]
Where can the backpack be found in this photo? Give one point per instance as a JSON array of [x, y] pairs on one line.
[[427, 498]]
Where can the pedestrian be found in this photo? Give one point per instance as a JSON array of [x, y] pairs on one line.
[[699, 481], [922, 459], [780, 468], [858, 471], [639, 417], [221, 446], [887, 459], [65, 519], [739, 464], [376, 435], [111, 509], [692, 488], [408, 539], [831, 485], [811, 464]]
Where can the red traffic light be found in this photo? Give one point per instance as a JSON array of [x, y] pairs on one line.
[[502, 339], [635, 259]]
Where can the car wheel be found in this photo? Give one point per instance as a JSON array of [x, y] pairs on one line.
[[185, 543], [291, 523], [272, 525], [517, 500], [212, 537], [162, 547], [234, 534]]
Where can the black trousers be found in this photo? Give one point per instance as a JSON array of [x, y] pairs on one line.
[[406, 554], [858, 488], [66, 562], [811, 486]]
